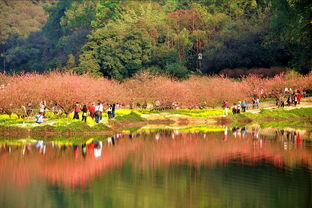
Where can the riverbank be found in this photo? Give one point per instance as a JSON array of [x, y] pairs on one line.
[[188, 119], [278, 118]]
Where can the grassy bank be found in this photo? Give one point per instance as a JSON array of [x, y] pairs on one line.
[[276, 118], [133, 119], [14, 126]]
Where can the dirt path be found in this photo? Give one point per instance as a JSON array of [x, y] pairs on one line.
[[272, 105]]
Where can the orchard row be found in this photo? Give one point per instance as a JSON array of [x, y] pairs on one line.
[[65, 89]]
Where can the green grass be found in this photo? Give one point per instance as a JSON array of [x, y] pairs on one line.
[[65, 124], [197, 113], [266, 100], [300, 117], [286, 124], [71, 127], [101, 127], [81, 127], [301, 113], [282, 113], [131, 117], [123, 112], [14, 121], [44, 128], [131, 130], [12, 130], [277, 118], [207, 113], [76, 126]]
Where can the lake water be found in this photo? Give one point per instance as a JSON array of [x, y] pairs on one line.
[[163, 169]]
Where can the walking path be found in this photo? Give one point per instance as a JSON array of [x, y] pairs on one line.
[[271, 105]]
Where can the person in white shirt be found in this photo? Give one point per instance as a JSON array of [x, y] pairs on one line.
[[39, 118], [98, 112]]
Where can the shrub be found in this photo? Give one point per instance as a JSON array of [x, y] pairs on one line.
[[177, 70]]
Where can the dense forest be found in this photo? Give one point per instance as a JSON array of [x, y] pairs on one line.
[[119, 38]]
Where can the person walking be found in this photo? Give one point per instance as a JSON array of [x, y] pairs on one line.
[[101, 108], [113, 110], [109, 112], [254, 103], [288, 100], [283, 101], [257, 103], [295, 99], [98, 112], [244, 105], [299, 96], [226, 107], [92, 111], [84, 113], [239, 106], [55, 109], [76, 111], [42, 106], [234, 109]]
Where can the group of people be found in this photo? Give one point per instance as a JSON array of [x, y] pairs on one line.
[[237, 107], [290, 96], [240, 106], [95, 111]]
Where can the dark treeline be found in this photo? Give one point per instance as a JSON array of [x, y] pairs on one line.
[[118, 38]]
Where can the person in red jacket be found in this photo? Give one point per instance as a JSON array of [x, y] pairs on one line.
[[301, 90], [76, 111], [299, 96], [92, 110]]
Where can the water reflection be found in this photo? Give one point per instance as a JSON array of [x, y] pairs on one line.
[[129, 159]]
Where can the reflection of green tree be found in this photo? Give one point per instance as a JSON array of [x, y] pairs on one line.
[[181, 186], [35, 195], [67, 197]]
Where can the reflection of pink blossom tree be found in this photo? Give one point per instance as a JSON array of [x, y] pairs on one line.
[[190, 149]]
